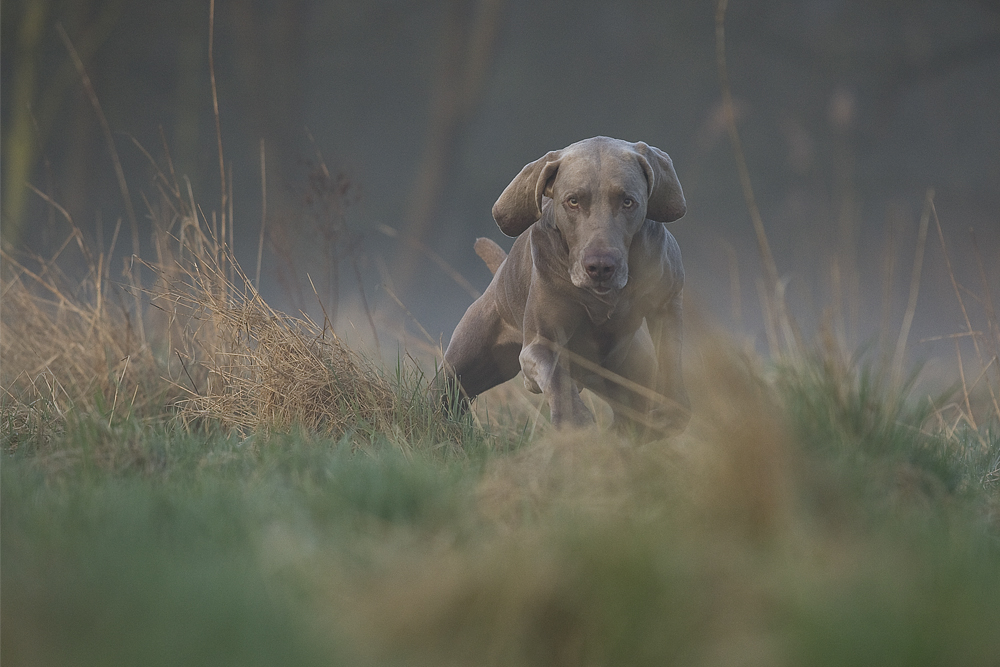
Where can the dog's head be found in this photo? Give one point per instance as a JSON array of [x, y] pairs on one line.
[[602, 191]]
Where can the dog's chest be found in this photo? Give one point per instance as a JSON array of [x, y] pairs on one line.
[[605, 330]]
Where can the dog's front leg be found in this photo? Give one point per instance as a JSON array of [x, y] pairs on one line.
[[547, 372], [666, 329]]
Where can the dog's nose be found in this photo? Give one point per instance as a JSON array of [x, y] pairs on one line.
[[600, 267]]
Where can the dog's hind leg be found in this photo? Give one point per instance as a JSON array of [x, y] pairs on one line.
[[482, 352]]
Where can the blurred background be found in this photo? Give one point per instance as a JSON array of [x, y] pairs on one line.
[[387, 129]]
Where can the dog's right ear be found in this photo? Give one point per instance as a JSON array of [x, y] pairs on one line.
[[520, 204]]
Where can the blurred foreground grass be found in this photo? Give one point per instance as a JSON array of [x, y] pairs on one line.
[[764, 536], [216, 483]]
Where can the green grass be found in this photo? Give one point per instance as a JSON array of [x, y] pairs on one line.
[[868, 542], [131, 546]]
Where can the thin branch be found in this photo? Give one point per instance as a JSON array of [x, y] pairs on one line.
[[114, 403], [119, 172], [364, 303], [965, 387], [263, 213], [184, 366], [965, 314], [215, 105], [911, 304]]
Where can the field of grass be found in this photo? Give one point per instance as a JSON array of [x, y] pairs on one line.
[[227, 485], [190, 477]]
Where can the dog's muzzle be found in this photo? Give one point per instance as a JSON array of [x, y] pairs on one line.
[[602, 271]]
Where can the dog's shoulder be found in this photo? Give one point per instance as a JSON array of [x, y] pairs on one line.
[[657, 251]]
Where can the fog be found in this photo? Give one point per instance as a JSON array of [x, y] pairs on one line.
[[848, 112]]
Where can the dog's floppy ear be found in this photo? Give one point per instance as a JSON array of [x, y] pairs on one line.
[[666, 199], [520, 204]]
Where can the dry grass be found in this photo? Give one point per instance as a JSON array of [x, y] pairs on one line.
[[69, 350], [211, 351], [262, 369]]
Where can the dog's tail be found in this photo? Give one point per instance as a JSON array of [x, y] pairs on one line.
[[491, 253]]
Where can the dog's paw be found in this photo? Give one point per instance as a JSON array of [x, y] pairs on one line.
[[531, 385]]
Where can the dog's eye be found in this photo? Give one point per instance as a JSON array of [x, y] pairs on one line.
[[628, 202], [573, 202]]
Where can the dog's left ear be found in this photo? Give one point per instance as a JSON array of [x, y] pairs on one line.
[[666, 199], [520, 204]]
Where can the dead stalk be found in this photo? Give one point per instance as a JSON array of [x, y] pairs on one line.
[[773, 306], [119, 172], [263, 213], [911, 304]]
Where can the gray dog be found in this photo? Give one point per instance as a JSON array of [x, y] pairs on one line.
[[590, 295]]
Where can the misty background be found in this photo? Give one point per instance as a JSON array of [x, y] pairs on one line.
[[422, 112]]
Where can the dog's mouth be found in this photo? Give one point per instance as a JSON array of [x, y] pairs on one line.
[[605, 289], [599, 287]]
